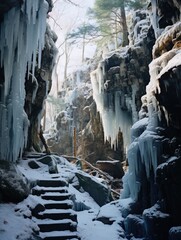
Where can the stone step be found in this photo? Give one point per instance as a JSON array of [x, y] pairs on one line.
[[37, 190], [58, 214], [49, 225], [52, 183], [67, 204], [34, 155], [56, 196], [56, 235]]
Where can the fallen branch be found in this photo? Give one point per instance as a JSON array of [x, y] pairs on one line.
[[97, 169], [106, 175], [118, 194]]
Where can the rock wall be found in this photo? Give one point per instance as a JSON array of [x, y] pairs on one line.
[[27, 52], [37, 89], [153, 180]]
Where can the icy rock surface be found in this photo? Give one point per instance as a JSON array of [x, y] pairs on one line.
[[37, 88], [153, 177], [20, 40], [118, 85]]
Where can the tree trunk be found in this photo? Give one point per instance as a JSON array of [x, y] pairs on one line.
[[66, 60], [83, 48], [124, 26], [116, 34]]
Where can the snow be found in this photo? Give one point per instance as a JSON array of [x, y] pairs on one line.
[[110, 211], [13, 225], [90, 229], [154, 212], [140, 29], [15, 219], [56, 233], [175, 230]]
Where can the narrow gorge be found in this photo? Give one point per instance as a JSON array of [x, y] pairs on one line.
[[115, 138]]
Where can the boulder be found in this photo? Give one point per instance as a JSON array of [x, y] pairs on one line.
[[13, 185], [98, 191], [134, 225], [51, 162], [33, 164], [169, 181], [175, 233], [113, 168], [157, 223]]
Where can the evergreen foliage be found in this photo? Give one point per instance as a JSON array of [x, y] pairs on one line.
[[111, 16]]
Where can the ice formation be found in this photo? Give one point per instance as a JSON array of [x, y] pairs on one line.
[[116, 82], [114, 119], [146, 147], [144, 154], [21, 37], [154, 17]]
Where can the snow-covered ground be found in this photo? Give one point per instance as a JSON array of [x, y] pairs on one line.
[[16, 221]]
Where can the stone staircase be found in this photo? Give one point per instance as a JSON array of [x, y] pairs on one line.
[[54, 214]]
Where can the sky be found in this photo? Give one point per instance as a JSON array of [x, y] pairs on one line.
[[64, 18]]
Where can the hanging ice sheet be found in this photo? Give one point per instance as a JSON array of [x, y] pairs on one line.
[[21, 37], [114, 119]]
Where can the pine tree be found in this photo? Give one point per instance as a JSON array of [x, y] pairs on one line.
[[112, 17], [85, 32]]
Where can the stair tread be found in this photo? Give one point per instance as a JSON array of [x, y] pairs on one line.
[[57, 221], [58, 211], [58, 234], [52, 182], [37, 187], [55, 194], [51, 221], [47, 201], [57, 214]]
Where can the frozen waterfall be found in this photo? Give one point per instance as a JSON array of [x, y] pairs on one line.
[[114, 119]]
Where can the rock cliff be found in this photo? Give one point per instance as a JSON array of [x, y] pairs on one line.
[[27, 58], [153, 180], [27, 52]]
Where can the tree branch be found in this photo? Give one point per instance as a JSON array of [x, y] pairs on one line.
[[70, 1]]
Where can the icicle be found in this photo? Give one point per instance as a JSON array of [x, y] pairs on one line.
[[154, 18], [35, 89], [133, 104], [19, 42], [113, 118]]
